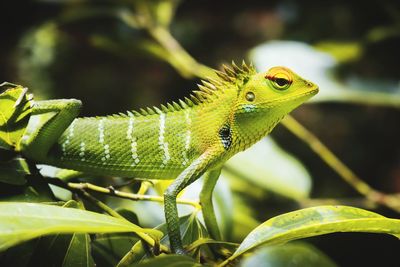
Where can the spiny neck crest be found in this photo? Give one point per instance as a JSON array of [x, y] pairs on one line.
[[208, 91]]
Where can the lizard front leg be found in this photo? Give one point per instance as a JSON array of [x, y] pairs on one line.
[[48, 121], [188, 176]]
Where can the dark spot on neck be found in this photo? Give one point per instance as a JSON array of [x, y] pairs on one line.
[[225, 134]]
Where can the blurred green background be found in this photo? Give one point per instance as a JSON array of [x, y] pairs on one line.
[[88, 50]]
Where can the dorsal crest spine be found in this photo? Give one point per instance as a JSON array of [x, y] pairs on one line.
[[208, 91]]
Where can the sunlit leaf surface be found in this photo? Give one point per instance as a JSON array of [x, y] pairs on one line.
[[15, 110], [20, 222], [316, 221]]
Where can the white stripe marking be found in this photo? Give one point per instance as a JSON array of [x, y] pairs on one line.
[[82, 153], [101, 131], [187, 138], [101, 141], [68, 140], [133, 140], [161, 141]]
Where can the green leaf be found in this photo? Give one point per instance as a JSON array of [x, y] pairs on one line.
[[13, 171], [110, 248], [20, 222], [63, 249], [14, 116], [268, 166], [79, 252], [316, 221], [129, 215], [293, 254], [191, 230], [54, 246], [170, 261]]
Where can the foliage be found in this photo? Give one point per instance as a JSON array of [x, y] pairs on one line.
[[14, 116], [78, 220]]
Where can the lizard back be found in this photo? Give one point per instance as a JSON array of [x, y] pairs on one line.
[[157, 146]]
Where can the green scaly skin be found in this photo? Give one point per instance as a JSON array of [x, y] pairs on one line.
[[179, 141]]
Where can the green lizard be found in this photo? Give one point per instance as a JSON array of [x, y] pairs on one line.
[[180, 141]]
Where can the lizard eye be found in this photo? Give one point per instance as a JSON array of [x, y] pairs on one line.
[[250, 96], [280, 81]]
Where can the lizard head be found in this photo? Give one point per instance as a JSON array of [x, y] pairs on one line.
[[265, 98]]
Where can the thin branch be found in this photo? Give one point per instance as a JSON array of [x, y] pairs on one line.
[[166, 46], [391, 201], [117, 193], [131, 196], [101, 205], [178, 57]]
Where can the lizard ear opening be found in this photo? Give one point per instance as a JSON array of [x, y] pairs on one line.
[[250, 96]]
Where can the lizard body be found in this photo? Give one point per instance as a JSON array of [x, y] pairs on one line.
[[158, 144], [179, 141]]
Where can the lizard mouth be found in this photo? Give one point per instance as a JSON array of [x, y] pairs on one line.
[[299, 97]]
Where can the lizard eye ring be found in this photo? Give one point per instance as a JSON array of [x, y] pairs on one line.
[[280, 80], [250, 96]]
